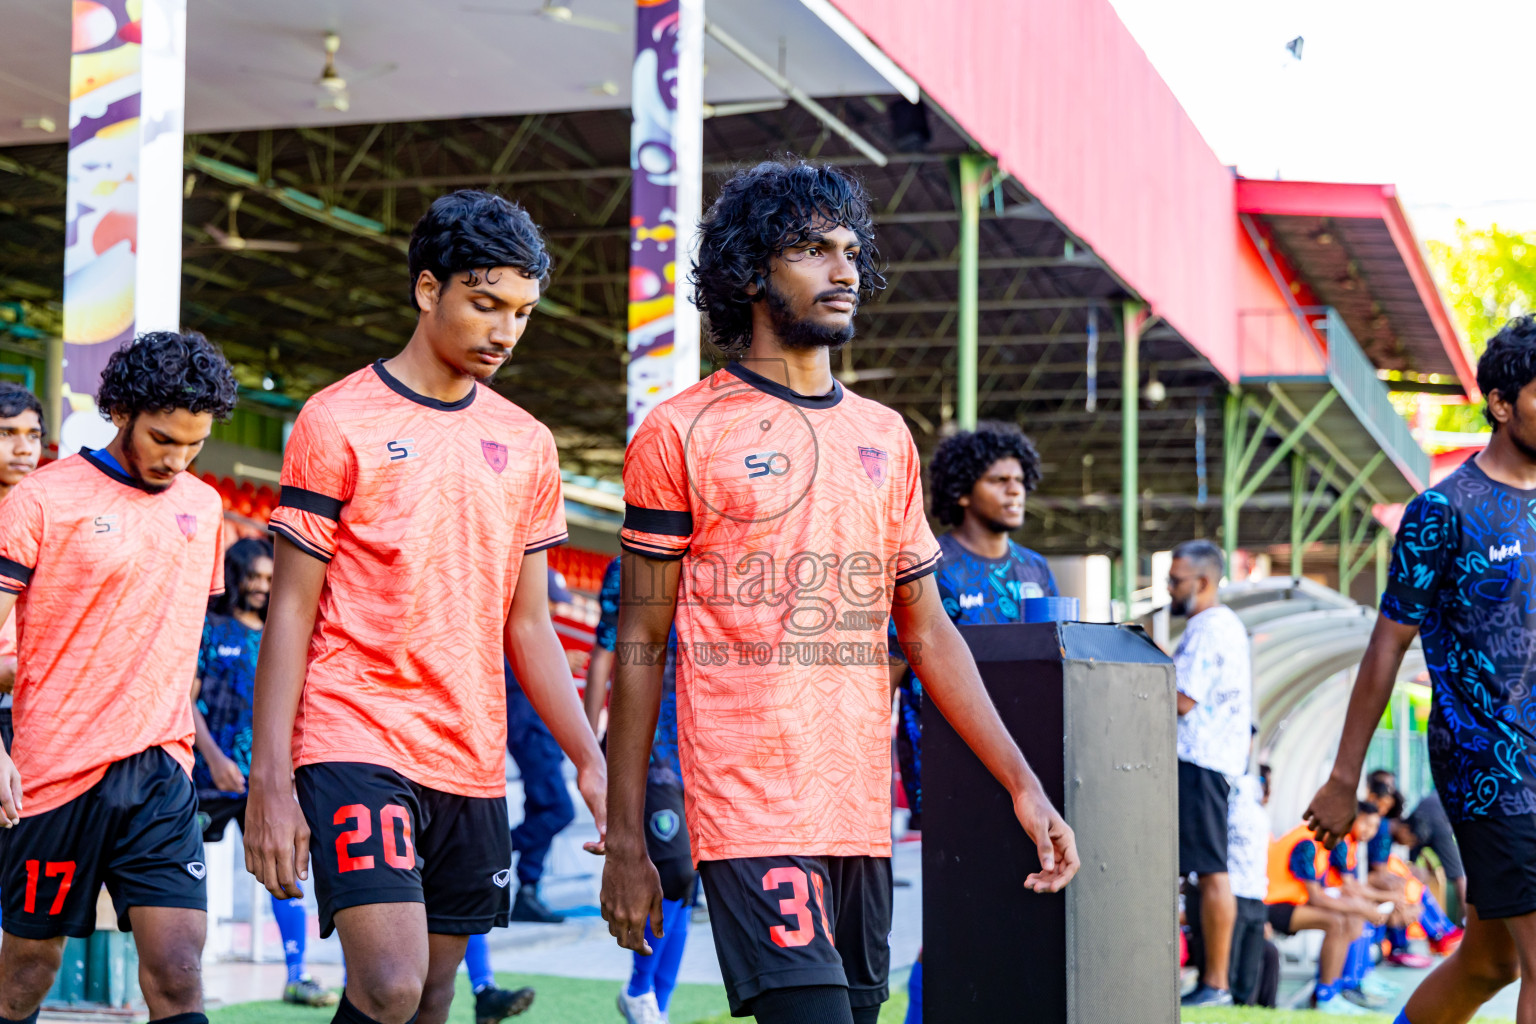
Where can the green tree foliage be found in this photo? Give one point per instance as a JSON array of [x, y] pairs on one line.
[[1487, 275]]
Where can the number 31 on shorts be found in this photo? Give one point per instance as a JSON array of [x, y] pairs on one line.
[[796, 906]]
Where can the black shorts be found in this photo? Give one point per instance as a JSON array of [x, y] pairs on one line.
[[1280, 915], [135, 830], [378, 837], [787, 922], [215, 813], [1202, 820], [666, 833], [1499, 855], [7, 728]]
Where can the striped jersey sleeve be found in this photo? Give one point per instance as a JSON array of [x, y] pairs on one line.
[[918, 554], [658, 519], [547, 510], [317, 482], [21, 537]]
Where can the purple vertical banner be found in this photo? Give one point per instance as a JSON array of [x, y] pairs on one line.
[[659, 364]]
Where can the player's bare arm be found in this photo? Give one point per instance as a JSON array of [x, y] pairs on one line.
[[276, 836], [951, 681], [631, 887], [222, 768], [599, 672], [541, 667], [1332, 811]]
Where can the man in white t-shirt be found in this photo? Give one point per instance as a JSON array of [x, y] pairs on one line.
[[1215, 716]]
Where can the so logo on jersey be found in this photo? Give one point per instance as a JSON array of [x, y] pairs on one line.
[[405, 448], [766, 463]]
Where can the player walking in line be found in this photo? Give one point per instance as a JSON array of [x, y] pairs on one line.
[[109, 558], [772, 514], [1460, 579], [21, 446], [416, 508], [980, 480], [221, 712]]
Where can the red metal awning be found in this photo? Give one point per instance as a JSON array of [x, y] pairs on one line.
[[1351, 247]]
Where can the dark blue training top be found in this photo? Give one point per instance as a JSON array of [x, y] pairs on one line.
[[226, 664], [1464, 571]]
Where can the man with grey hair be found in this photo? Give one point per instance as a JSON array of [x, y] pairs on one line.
[[1215, 719]]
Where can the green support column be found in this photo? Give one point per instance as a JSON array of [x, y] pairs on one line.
[[1231, 460], [1130, 488], [1345, 553], [53, 387], [972, 166], [1298, 497]]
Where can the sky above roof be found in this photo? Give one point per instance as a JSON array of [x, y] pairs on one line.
[[1416, 93]]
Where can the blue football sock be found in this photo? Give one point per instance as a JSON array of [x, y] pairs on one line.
[[1355, 963], [1323, 993], [658, 972], [477, 960], [674, 922], [1399, 937], [915, 995], [1433, 918], [291, 925]]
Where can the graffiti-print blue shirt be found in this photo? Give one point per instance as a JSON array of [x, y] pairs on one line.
[[1464, 571], [226, 664], [976, 591], [664, 746]]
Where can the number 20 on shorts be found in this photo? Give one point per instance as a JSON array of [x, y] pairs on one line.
[[394, 830]]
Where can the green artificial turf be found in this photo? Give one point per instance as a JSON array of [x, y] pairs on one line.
[[1250, 1015], [560, 1001]]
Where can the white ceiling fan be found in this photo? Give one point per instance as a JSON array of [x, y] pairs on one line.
[[232, 241], [334, 86], [558, 11]]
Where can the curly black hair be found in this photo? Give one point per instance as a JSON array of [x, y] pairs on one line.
[[1509, 362], [161, 370], [758, 215], [15, 400], [469, 231], [963, 458], [238, 562]]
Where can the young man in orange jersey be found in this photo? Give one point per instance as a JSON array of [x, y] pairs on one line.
[[21, 446], [774, 516], [416, 508], [109, 558]]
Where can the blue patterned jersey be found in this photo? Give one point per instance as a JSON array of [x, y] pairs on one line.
[[226, 664], [975, 591], [1463, 570], [664, 746]]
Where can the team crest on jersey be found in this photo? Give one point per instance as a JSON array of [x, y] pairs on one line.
[[874, 461], [495, 454], [188, 523], [664, 824]]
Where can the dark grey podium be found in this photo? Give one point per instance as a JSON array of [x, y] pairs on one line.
[[1092, 707]]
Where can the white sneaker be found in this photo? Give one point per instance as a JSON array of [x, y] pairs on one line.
[[640, 1009]]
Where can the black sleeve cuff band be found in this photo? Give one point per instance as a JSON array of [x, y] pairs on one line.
[[310, 501], [655, 520]]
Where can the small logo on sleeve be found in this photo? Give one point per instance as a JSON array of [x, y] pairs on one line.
[[188, 524], [495, 454], [874, 461], [405, 448]]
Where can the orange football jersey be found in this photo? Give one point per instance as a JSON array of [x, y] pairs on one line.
[[114, 583], [795, 518], [423, 510]]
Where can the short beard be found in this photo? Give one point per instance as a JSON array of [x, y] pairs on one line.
[[801, 332], [992, 525], [132, 464], [1178, 608], [1526, 449]]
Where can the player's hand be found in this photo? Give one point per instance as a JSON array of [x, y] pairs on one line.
[[1332, 812], [276, 839], [1054, 841], [631, 898], [592, 781], [227, 776], [10, 792]]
